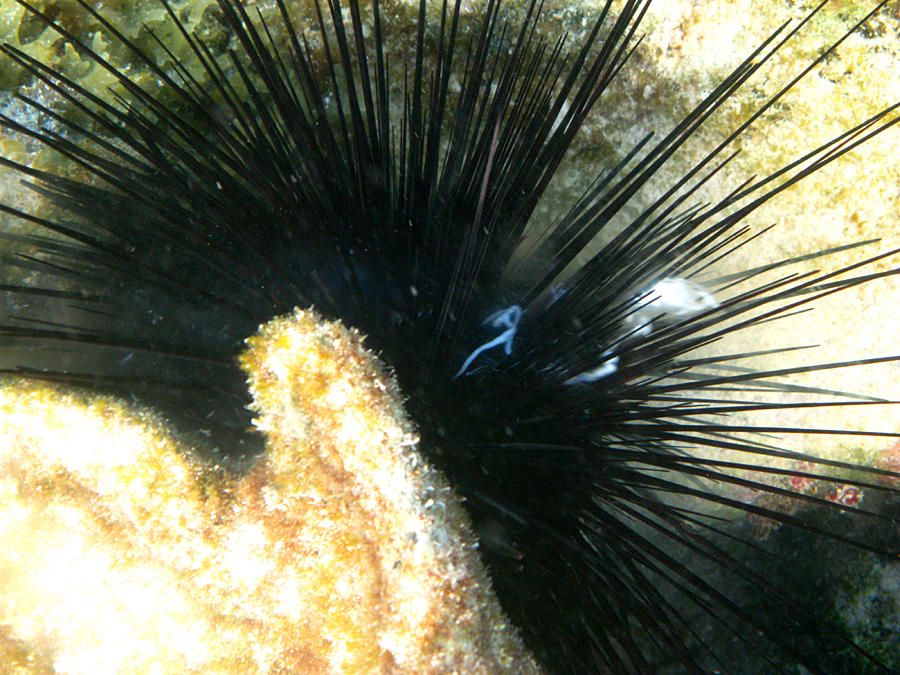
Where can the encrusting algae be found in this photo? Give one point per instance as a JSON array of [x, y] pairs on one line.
[[339, 551]]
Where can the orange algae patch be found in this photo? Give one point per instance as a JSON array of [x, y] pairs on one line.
[[339, 551]]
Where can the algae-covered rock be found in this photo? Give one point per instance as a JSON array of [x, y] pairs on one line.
[[688, 48]]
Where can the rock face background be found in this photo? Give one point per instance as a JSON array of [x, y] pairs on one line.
[[688, 48], [691, 46]]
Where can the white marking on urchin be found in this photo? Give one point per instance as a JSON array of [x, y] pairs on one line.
[[670, 298], [676, 298], [605, 369], [503, 318]]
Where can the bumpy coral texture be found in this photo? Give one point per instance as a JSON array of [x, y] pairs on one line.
[[340, 551]]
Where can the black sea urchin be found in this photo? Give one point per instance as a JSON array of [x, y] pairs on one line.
[[566, 387]]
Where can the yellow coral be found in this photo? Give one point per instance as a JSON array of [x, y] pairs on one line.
[[340, 551]]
